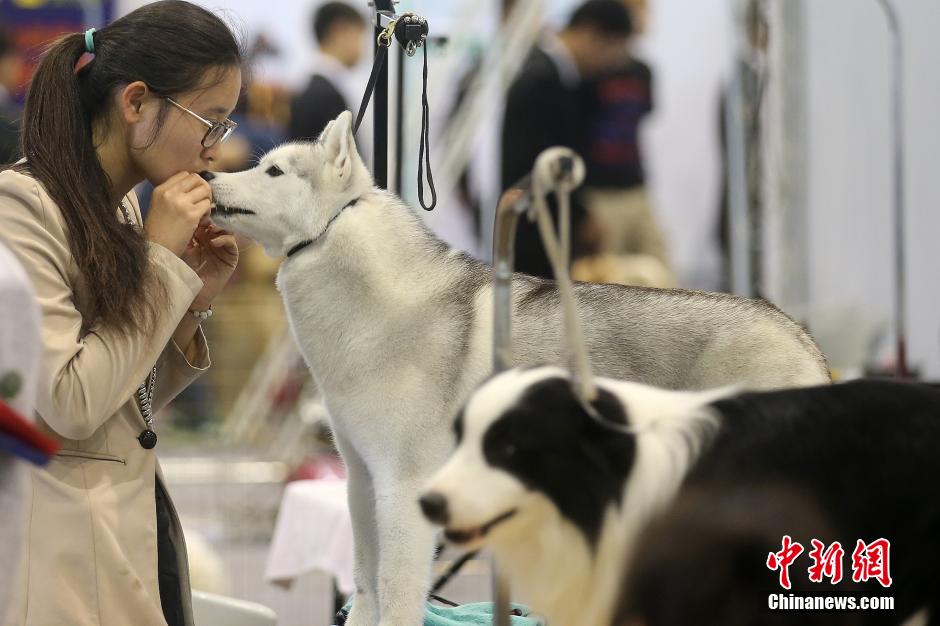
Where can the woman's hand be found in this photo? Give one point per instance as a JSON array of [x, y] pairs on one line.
[[213, 255], [176, 210]]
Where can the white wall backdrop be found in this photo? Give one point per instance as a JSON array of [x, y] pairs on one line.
[[689, 47], [848, 164]]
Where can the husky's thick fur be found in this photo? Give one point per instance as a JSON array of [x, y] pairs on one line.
[[397, 330], [560, 496]]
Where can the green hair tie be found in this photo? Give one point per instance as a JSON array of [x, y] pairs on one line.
[[90, 41]]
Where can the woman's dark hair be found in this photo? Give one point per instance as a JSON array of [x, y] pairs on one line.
[[172, 46]]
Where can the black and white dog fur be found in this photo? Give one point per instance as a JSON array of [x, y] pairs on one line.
[[397, 330], [559, 496]]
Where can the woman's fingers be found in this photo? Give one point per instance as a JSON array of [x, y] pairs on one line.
[[202, 207], [199, 192], [193, 181], [175, 179], [226, 241]]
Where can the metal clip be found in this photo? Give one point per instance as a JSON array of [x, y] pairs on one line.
[[385, 37], [413, 33]]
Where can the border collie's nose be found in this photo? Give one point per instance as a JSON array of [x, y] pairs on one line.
[[206, 175], [434, 506]]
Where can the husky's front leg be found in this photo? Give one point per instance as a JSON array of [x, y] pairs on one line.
[[361, 498], [406, 549]]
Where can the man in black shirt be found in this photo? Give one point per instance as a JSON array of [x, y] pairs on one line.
[[339, 30], [544, 106]]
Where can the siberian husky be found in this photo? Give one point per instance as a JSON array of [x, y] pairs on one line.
[[560, 496], [397, 330]]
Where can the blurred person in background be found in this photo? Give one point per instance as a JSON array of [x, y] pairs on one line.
[[10, 111], [615, 187], [752, 74], [469, 196], [339, 30], [545, 107], [122, 300]]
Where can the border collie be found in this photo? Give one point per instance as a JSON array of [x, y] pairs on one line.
[[559, 491]]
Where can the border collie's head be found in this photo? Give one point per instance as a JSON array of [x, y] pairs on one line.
[[530, 454], [525, 448]]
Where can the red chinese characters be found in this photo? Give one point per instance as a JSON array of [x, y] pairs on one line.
[[783, 559], [872, 561], [826, 563]]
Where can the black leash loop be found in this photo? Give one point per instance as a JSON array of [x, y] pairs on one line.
[[424, 150], [411, 32]]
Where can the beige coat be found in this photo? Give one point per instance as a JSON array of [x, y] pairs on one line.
[[91, 549]]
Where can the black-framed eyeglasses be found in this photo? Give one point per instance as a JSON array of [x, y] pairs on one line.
[[216, 132]]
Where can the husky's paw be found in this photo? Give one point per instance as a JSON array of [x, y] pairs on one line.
[[403, 618], [397, 622], [362, 613]]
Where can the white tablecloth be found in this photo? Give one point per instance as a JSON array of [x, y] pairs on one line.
[[313, 532]]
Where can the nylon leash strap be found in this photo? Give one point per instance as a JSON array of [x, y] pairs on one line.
[[411, 31]]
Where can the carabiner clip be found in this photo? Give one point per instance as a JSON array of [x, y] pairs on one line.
[[385, 37]]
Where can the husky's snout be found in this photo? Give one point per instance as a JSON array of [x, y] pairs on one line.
[[218, 208]]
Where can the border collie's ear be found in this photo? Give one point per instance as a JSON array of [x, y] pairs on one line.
[[339, 143]]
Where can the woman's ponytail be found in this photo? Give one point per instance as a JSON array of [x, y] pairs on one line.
[[172, 46]]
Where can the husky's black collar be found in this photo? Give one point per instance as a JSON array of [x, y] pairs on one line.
[[306, 242]]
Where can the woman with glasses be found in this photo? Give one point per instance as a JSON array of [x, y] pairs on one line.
[[122, 299]]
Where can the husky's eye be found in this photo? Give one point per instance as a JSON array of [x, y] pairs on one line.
[[274, 170]]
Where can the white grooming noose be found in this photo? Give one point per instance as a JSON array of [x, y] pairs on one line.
[[561, 170]]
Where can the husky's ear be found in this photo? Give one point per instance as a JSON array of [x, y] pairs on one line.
[[326, 131], [340, 144]]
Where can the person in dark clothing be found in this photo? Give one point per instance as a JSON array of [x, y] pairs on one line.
[[10, 112], [615, 189], [621, 100], [339, 30], [751, 70], [545, 107]]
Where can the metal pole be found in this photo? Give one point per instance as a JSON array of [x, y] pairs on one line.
[[384, 11], [739, 235], [900, 288], [507, 218], [514, 203], [400, 121], [380, 124]]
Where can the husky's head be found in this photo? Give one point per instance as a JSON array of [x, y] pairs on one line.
[[294, 191]]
